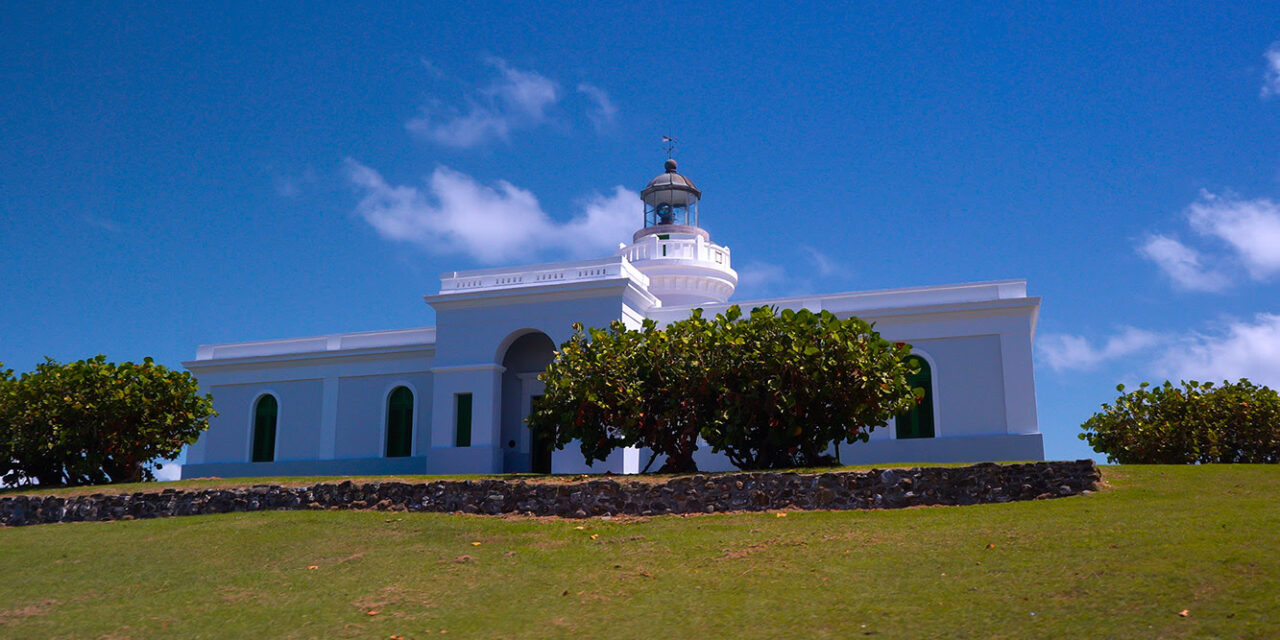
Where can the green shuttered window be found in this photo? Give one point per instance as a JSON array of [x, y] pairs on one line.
[[400, 423], [462, 419], [264, 429]]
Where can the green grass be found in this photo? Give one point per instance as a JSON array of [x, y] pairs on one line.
[[1117, 564]]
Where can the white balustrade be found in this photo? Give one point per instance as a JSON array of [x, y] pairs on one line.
[[654, 248], [536, 275]]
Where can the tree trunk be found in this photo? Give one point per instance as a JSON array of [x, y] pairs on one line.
[[682, 463]]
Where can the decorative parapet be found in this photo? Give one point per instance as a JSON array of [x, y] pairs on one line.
[[540, 275]]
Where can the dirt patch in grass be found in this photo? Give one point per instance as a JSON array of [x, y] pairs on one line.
[[351, 558], [758, 547], [393, 602], [32, 610], [234, 595]]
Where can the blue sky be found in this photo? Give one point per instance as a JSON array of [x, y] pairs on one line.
[[173, 175]]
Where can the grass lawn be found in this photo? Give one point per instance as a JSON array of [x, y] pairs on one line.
[[1121, 563]]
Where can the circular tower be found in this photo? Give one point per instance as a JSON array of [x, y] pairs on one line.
[[685, 268]]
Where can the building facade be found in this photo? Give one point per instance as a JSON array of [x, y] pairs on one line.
[[453, 398]]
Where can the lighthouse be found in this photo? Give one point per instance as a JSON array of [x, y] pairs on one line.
[[684, 267]]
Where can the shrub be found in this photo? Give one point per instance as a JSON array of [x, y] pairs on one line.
[[619, 388], [1194, 423], [769, 390], [93, 421], [793, 383]]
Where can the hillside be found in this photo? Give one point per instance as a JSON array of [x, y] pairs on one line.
[[1120, 563]]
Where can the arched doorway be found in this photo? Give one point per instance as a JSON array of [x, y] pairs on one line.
[[399, 423], [527, 356], [918, 422], [265, 413]]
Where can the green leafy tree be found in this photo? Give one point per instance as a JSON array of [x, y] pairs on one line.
[[1192, 423], [793, 383], [770, 390], [7, 461], [93, 421], [613, 388]]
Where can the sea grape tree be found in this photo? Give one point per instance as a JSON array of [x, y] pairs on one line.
[[1194, 422], [93, 421], [793, 383], [769, 389]]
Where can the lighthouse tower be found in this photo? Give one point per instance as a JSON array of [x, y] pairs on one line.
[[685, 268]]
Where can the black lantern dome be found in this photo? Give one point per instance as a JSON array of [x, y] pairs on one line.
[[670, 199]]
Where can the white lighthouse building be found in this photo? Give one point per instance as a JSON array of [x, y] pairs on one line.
[[453, 398]]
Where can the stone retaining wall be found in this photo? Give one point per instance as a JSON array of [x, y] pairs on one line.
[[875, 489]]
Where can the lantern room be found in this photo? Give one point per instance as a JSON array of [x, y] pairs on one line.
[[670, 199]]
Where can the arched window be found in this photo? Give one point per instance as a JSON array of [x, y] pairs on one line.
[[918, 422], [400, 423], [264, 429]]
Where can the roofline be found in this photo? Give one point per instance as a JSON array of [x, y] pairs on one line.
[[566, 290], [215, 363], [798, 301], [332, 343]]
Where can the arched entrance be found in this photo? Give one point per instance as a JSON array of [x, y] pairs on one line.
[[527, 356], [918, 422]]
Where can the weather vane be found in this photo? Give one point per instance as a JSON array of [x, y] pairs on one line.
[[669, 145]]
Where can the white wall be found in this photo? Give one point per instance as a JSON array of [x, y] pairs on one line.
[[362, 413], [230, 433], [969, 381]]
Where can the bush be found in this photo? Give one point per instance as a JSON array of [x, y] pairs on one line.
[[94, 421], [770, 390], [619, 388], [1194, 423], [789, 385]]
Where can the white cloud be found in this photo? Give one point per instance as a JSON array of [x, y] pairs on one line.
[[1242, 349], [1271, 76], [286, 187], [1248, 232], [1182, 264], [515, 99], [528, 92], [432, 68], [1064, 351], [605, 221], [106, 224], [758, 277], [1238, 349], [1250, 227], [605, 111], [823, 265], [454, 213]]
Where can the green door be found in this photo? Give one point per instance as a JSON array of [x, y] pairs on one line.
[[918, 422], [542, 445], [400, 423], [264, 429]]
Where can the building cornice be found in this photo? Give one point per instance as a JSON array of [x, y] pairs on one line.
[[463, 368], [310, 358]]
